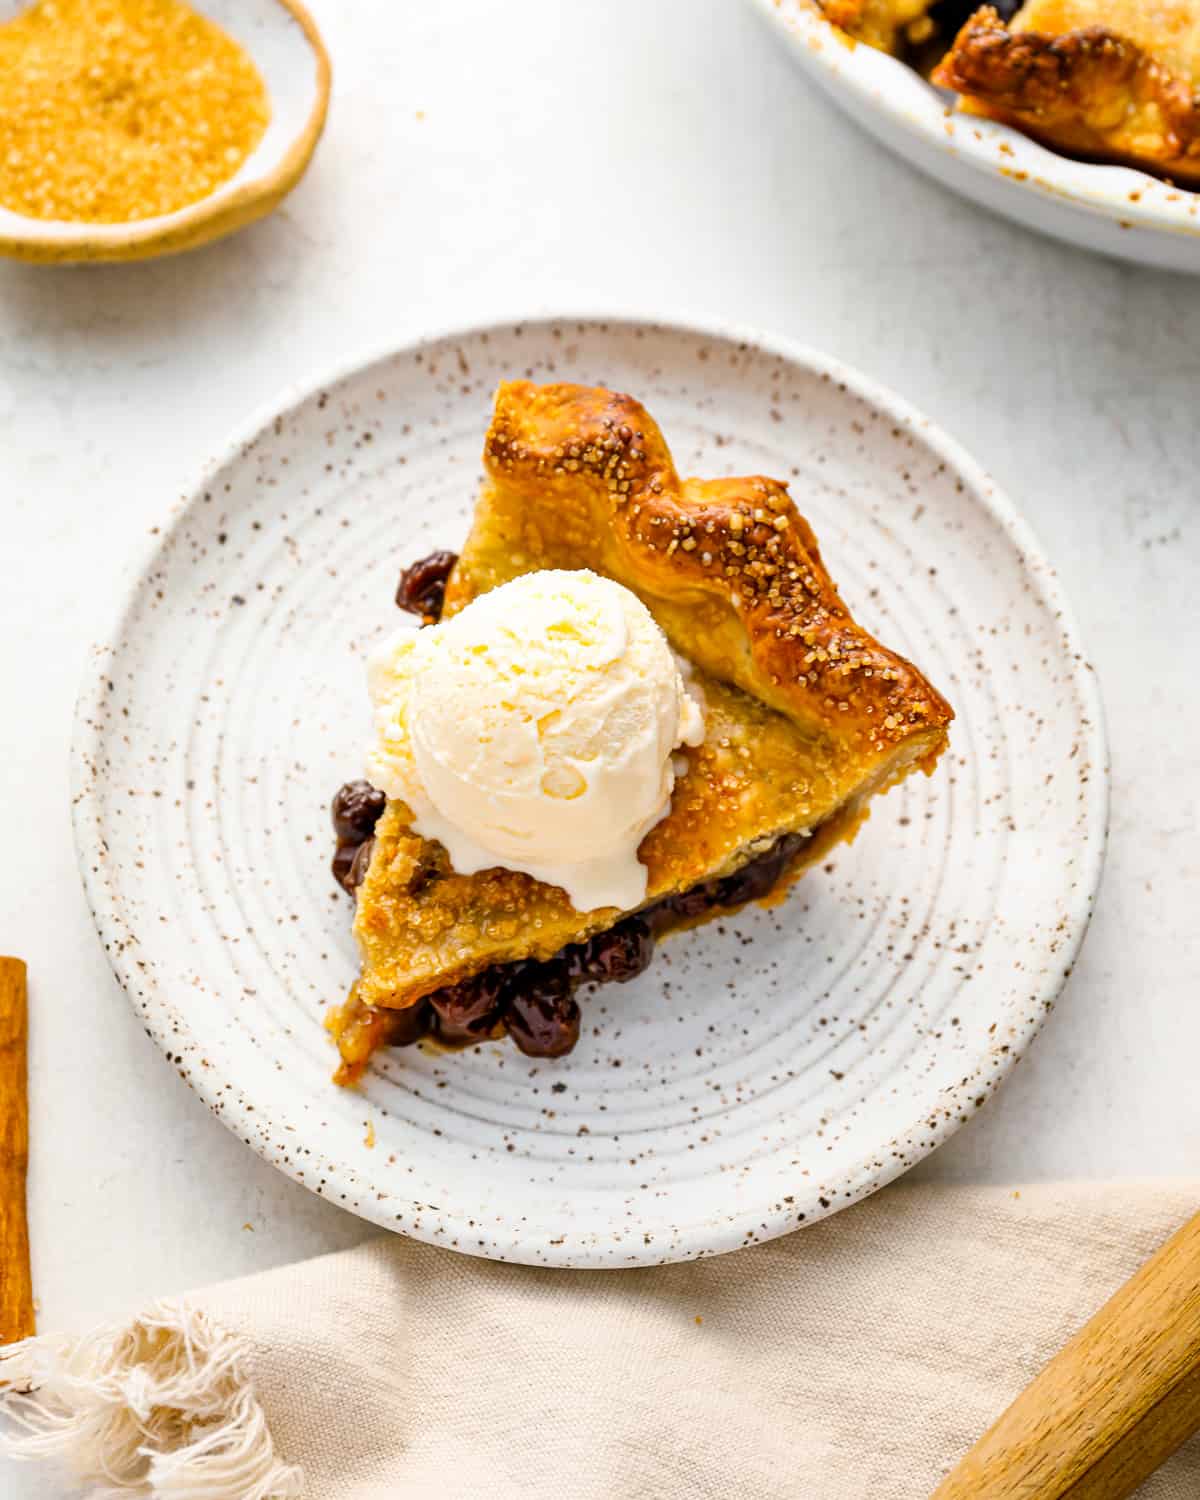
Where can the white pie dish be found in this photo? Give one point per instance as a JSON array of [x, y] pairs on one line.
[[1113, 210], [767, 1069]]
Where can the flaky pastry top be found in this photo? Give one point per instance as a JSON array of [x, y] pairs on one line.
[[728, 567], [1112, 79]]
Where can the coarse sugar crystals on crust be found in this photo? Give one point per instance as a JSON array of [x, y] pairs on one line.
[[730, 569], [1113, 80], [807, 715]]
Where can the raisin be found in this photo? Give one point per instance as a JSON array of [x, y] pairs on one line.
[[357, 872], [751, 883], [694, 903], [615, 956], [342, 863], [408, 1025], [660, 917], [469, 1011], [541, 1016], [422, 587], [357, 807]]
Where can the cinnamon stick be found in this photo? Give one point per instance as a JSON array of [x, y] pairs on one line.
[[16, 1286]]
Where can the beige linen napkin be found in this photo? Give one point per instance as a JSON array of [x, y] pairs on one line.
[[856, 1360]]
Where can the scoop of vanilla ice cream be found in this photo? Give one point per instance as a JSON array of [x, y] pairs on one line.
[[535, 731]]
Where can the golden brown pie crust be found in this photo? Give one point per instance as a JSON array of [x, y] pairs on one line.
[[880, 23], [807, 715], [1112, 80], [580, 477]]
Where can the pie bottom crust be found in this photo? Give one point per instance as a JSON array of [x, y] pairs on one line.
[[360, 1029]]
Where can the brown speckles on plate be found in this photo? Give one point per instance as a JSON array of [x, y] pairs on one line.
[[768, 1069]]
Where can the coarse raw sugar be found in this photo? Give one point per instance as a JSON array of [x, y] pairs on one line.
[[118, 110]]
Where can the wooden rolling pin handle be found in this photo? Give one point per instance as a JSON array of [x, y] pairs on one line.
[[16, 1286], [1112, 1406]]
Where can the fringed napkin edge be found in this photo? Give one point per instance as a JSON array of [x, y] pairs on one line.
[[160, 1408]]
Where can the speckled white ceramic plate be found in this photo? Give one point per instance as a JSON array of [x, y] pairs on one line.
[[767, 1069], [1114, 210]]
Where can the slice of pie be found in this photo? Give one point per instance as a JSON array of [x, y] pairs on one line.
[[807, 718], [1113, 80]]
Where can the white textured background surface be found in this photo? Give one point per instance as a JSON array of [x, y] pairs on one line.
[[481, 159]]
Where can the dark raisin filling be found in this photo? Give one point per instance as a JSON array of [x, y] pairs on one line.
[[615, 956], [356, 809], [410, 1024], [534, 1001], [422, 587], [540, 1014], [358, 805], [469, 1011]]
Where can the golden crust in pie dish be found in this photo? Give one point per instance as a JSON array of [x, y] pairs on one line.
[[807, 716], [884, 24], [1113, 80]]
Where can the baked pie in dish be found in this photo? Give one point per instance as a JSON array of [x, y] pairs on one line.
[[640, 701], [1106, 80]]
